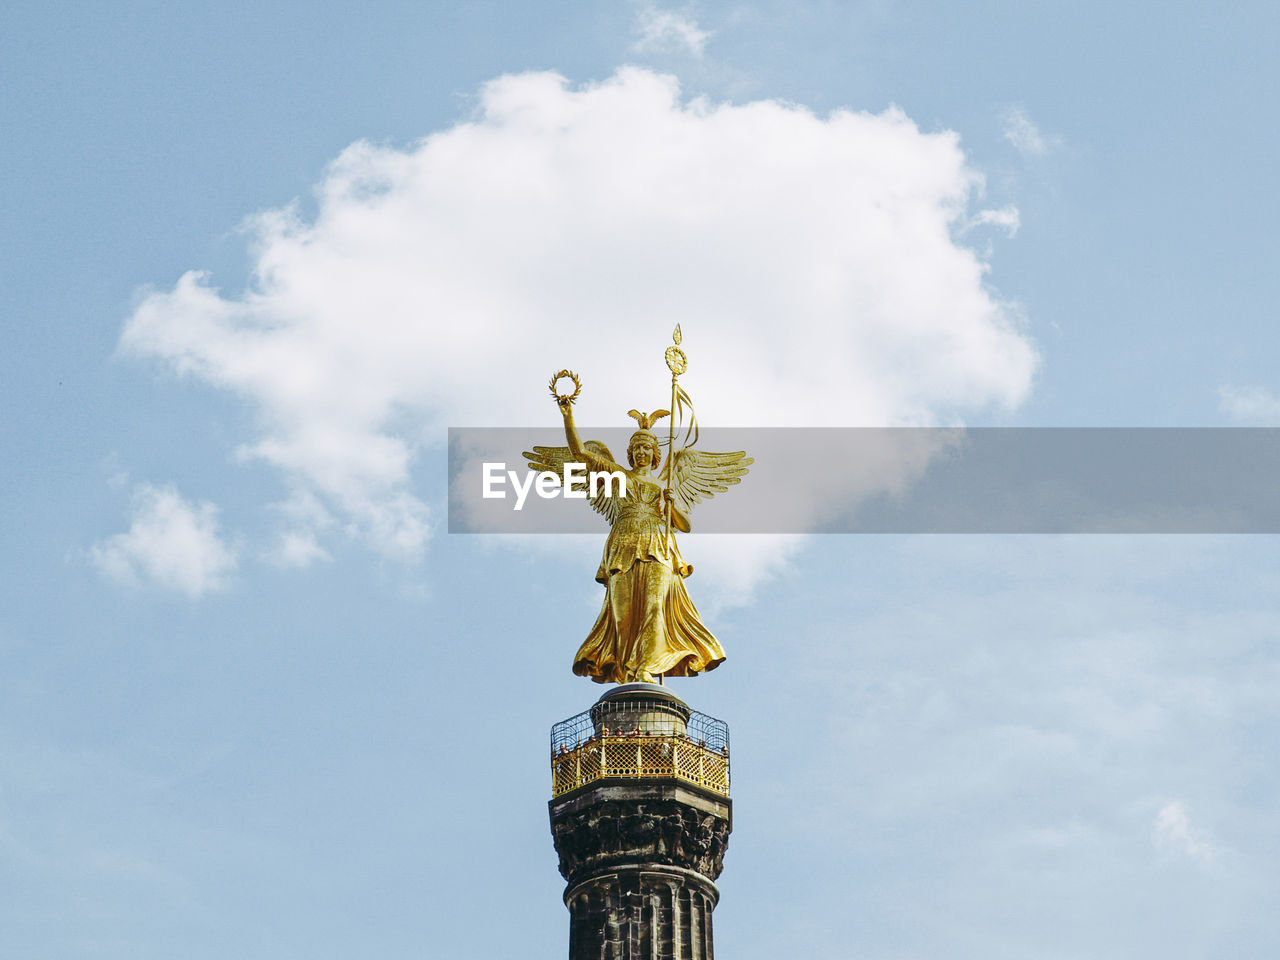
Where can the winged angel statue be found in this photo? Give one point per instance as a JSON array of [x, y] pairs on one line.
[[648, 626]]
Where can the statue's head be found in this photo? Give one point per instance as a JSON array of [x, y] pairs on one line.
[[643, 446]]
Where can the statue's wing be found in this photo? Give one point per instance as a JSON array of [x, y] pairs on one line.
[[598, 458], [698, 474]]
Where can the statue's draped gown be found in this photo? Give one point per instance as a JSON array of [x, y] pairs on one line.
[[647, 626]]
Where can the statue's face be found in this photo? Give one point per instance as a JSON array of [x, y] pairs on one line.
[[643, 451]]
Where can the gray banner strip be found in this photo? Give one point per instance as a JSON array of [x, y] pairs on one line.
[[913, 480]]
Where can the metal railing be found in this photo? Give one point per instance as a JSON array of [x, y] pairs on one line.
[[639, 754]]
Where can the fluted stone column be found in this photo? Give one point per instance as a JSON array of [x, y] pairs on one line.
[[640, 856]]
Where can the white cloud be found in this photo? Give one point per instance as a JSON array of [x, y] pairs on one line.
[[1253, 405], [665, 31], [297, 545], [297, 549], [1006, 217], [1025, 136], [170, 542], [812, 261], [1173, 833]]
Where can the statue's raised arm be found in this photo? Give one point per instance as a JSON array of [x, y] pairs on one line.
[[596, 457]]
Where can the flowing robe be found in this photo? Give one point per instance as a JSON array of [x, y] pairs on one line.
[[647, 626]]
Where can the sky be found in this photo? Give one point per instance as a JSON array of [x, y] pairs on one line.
[[255, 699]]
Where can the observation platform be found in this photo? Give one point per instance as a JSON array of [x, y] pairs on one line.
[[640, 731]]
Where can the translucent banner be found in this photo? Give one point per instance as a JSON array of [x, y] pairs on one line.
[[891, 480]]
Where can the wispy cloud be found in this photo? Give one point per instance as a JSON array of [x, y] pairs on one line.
[[297, 549], [666, 31], [1252, 405], [1025, 136], [297, 545], [170, 542], [1007, 217], [1173, 833]]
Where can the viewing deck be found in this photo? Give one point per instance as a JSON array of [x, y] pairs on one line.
[[626, 739], [644, 755]]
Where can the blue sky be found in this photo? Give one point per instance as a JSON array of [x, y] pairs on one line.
[[255, 702]]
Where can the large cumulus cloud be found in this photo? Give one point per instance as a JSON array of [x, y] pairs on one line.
[[817, 265]]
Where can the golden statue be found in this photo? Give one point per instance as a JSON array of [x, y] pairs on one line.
[[648, 627]]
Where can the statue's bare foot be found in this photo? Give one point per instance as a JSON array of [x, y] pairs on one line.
[[647, 677]]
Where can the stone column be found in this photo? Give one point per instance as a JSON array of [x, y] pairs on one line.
[[640, 854]]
